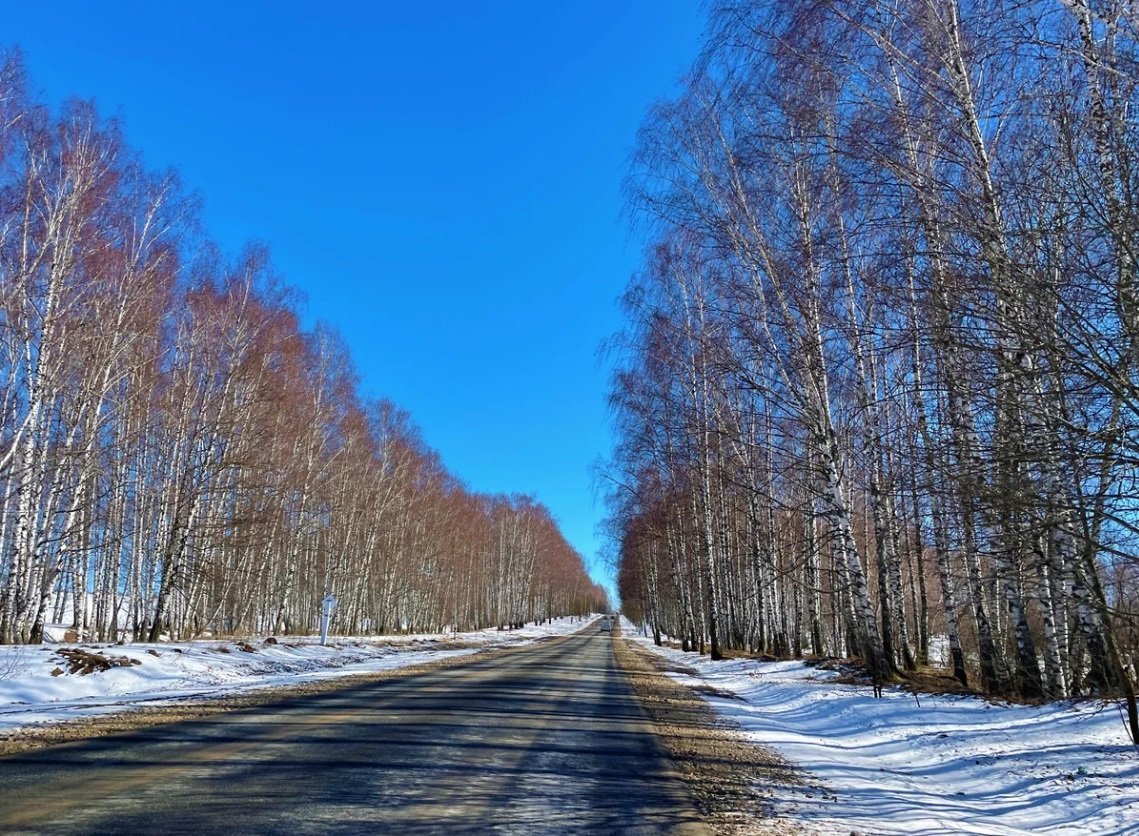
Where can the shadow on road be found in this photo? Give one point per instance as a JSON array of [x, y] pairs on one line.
[[547, 739]]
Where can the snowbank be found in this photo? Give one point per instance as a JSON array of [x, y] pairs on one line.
[[951, 765], [35, 687]]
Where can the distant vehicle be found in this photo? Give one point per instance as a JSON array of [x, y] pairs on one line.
[[606, 625]]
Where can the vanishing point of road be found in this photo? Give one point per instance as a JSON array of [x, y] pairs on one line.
[[547, 738]]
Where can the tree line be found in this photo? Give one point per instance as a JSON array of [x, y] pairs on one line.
[[878, 392], [178, 455]]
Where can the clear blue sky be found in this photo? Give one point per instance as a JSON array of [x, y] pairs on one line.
[[441, 180]]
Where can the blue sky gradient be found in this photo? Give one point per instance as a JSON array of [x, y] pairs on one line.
[[441, 181]]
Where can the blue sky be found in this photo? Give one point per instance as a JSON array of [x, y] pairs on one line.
[[441, 180]]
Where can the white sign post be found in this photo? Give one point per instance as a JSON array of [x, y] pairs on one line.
[[329, 605]]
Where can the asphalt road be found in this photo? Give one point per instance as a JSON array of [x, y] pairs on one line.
[[545, 739]]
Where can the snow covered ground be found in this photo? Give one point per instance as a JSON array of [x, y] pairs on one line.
[[30, 694], [951, 765]]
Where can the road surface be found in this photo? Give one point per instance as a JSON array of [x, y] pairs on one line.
[[544, 739]]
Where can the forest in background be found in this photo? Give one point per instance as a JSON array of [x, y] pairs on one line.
[[178, 455], [878, 391]]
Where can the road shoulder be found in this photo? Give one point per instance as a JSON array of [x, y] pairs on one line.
[[726, 774]]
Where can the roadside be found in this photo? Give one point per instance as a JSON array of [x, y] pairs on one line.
[[730, 778], [52, 694], [930, 764]]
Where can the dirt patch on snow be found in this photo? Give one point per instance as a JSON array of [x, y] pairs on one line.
[[729, 777], [84, 662]]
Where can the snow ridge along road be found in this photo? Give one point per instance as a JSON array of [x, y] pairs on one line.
[[541, 739]]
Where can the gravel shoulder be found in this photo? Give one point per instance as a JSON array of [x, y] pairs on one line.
[[729, 777]]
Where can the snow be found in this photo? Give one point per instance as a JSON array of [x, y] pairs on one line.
[[174, 671], [947, 766]]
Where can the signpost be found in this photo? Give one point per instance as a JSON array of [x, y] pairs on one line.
[[329, 605]]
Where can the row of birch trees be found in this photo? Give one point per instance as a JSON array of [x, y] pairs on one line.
[[178, 456], [878, 393]]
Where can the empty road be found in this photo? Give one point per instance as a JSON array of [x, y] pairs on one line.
[[543, 739]]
